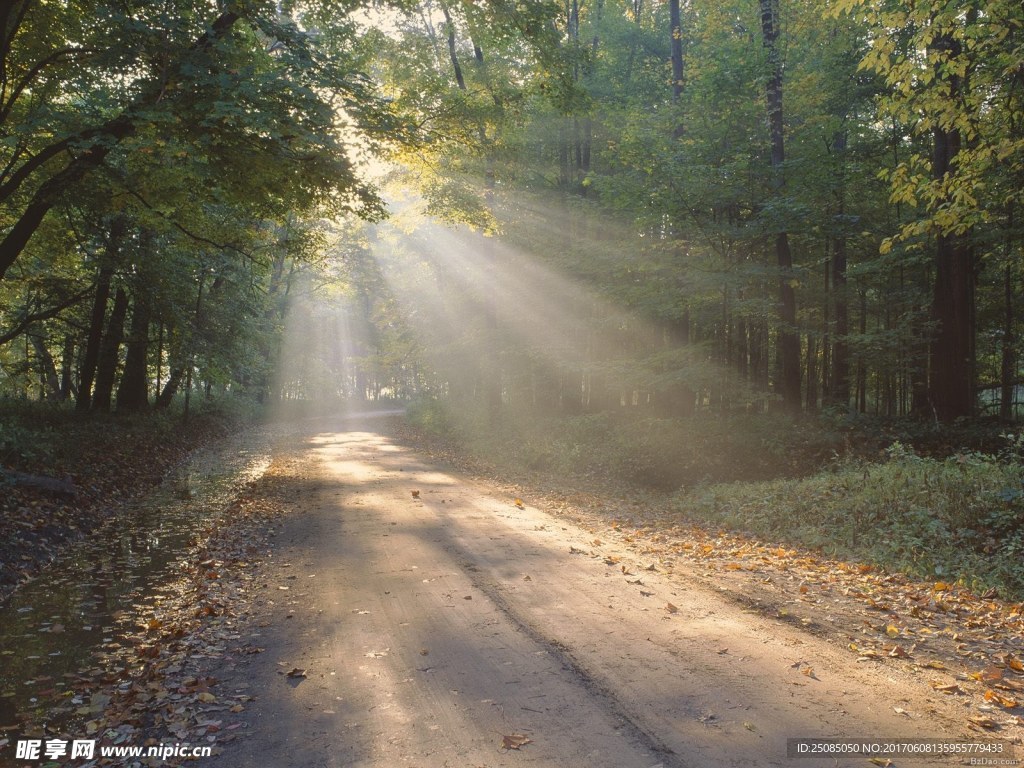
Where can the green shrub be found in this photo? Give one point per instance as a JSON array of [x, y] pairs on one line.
[[431, 415], [958, 518]]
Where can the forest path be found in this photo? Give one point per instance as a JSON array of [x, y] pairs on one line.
[[428, 621]]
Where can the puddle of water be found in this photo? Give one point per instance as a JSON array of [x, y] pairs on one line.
[[54, 625]]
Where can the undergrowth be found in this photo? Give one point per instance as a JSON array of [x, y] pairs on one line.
[[853, 488], [959, 518]]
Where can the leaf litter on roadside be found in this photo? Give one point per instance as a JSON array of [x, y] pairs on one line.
[[144, 684]]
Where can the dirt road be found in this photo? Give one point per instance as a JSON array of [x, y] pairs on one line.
[[412, 618]]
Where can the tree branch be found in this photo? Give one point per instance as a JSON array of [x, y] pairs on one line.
[[33, 317]]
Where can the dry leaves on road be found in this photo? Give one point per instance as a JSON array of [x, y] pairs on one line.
[[514, 741]]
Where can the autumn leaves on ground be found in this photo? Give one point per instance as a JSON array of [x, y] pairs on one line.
[[375, 600]]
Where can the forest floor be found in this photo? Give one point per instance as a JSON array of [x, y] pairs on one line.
[[105, 461], [366, 603]]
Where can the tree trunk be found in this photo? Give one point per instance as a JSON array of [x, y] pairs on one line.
[[48, 369], [93, 340], [789, 339], [676, 23], [67, 367], [1008, 366], [839, 378], [106, 369], [133, 390], [166, 396], [951, 386]]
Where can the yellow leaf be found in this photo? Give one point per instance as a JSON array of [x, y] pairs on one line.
[[892, 630], [1004, 701]]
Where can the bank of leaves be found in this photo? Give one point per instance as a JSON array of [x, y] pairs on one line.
[[959, 518], [106, 460]]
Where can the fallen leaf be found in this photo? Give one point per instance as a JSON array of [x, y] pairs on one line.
[[519, 503], [951, 688], [885, 762], [991, 674], [297, 672], [1004, 701], [982, 721], [206, 697], [415, 494], [514, 741], [671, 608]]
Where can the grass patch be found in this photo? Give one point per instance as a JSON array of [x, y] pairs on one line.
[[959, 518]]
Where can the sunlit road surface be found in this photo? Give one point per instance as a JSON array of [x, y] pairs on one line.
[[437, 623]]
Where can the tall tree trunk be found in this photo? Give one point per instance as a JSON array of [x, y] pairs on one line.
[[93, 340], [133, 391], [789, 339], [67, 367], [862, 369], [106, 368], [812, 372], [638, 13], [951, 386], [678, 74], [452, 53], [1008, 363], [839, 378]]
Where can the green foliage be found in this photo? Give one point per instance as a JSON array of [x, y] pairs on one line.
[[959, 518], [646, 452], [430, 415], [28, 432]]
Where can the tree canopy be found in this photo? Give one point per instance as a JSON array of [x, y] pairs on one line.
[[749, 205]]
